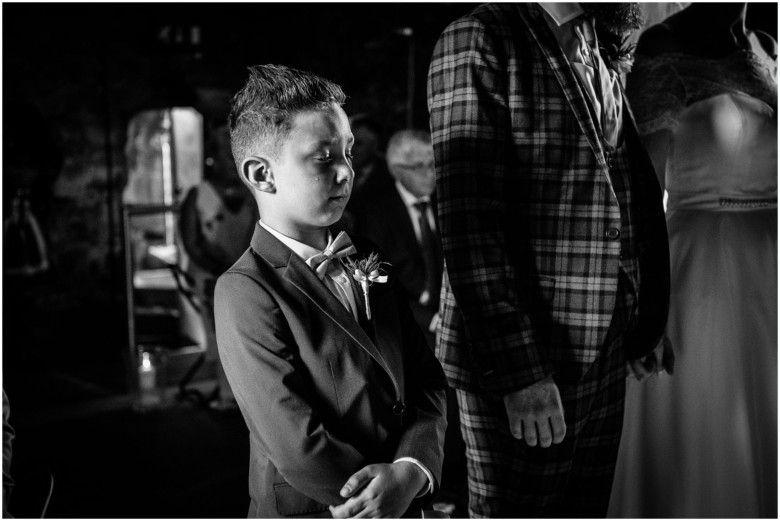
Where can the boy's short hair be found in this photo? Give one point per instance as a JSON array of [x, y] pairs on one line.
[[261, 113]]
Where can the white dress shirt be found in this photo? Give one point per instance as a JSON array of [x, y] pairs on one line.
[[409, 200], [336, 279]]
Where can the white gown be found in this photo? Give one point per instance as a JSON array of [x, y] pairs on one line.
[[703, 442]]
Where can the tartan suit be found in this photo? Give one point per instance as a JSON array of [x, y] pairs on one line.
[[530, 217]]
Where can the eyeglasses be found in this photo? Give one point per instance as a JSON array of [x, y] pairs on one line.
[[415, 167]]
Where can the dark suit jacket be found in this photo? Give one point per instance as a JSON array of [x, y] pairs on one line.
[[386, 221], [321, 395], [525, 202]]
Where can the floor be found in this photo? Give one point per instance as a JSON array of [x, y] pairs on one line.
[[65, 374], [110, 460]]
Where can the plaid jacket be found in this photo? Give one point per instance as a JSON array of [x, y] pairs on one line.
[[527, 210]]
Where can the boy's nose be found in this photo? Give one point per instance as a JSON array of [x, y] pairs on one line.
[[344, 173]]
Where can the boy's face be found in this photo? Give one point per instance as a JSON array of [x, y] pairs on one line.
[[313, 173]]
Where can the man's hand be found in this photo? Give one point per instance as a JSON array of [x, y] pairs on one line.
[[536, 414], [661, 359], [381, 490]]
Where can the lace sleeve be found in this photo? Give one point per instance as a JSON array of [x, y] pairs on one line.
[[656, 93]]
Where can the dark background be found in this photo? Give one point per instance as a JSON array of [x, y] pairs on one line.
[[73, 77]]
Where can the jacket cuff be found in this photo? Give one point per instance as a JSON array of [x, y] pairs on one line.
[[509, 369]]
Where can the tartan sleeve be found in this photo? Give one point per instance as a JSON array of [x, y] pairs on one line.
[[471, 129]]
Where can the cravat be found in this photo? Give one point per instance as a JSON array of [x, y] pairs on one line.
[[338, 248], [607, 86], [428, 242], [337, 280]]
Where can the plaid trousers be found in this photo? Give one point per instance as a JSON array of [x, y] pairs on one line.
[[507, 478]]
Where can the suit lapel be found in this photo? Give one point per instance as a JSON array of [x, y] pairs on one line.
[[564, 73], [303, 278], [388, 334], [383, 326], [629, 121], [360, 300], [294, 270]]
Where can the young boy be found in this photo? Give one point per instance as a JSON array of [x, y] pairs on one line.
[[344, 402]]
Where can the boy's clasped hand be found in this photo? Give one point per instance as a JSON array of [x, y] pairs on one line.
[[381, 490]]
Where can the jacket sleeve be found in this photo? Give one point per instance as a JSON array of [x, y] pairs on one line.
[[269, 381], [470, 117]]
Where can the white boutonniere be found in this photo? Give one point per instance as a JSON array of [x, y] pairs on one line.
[[367, 271]]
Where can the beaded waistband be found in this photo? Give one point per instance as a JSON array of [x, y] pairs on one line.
[[766, 202], [695, 201]]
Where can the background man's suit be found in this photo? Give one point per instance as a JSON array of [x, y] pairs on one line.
[[545, 273], [386, 221], [322, 394]]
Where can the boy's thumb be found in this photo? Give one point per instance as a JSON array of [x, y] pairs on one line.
[[356, 482]]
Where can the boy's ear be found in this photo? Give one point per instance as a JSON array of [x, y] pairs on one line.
[[256, 171]]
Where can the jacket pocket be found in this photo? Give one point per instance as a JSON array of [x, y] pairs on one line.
[[291, 503]]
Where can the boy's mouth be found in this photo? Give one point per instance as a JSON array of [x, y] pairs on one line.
[[338, 198]]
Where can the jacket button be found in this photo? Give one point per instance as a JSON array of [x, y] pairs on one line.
[[399, 408], [612, 234]]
